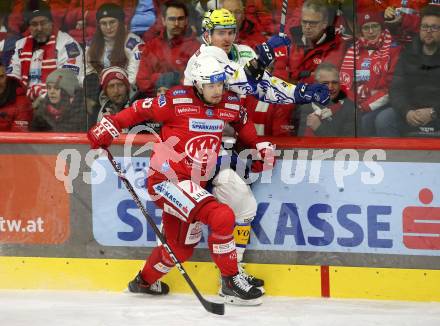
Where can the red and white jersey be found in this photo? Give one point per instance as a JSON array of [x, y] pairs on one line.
[[192, 130]]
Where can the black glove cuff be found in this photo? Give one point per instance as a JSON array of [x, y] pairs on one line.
[[254, 70]]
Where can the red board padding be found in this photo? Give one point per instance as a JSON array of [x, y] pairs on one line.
[[281, 142], [325, 282]]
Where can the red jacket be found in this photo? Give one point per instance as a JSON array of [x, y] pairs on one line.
[[269, 119], [268, 17], [303, 62], [15, 108], [162, 55]]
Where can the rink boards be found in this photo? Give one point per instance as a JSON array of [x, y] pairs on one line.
[[336, 218]]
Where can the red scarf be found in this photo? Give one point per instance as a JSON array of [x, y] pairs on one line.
[[49, 62], [54, 112], [379, 58]]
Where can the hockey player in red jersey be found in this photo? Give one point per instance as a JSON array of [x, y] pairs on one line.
[[193, 119]]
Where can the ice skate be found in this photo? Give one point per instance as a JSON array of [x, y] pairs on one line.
[[236, 290], [252, 280], [138, 285]]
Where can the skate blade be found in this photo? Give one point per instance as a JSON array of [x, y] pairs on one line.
[[241, 302]]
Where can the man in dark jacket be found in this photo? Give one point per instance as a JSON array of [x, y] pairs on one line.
[[337, 118], [415, 89]]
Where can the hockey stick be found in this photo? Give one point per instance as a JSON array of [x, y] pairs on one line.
[[283, 18], [213, 307]]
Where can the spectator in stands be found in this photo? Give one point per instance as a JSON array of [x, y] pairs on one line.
[[402, 18], [8, 38], [415, 89], [78, 20], [17, 20], [143, 18], [248, 33], [43, 51], [337, 119], [165, 57], [112, 45], [62, 109], [117, 95], [375, 55], [312, 43], [194, 19], [15, 107]]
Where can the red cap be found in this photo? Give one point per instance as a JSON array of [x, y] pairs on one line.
[[111, 73], [370, 17]]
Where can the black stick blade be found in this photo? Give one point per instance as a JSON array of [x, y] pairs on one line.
[[214, 307]]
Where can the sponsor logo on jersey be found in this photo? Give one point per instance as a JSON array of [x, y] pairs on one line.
[[205, 125], [233, 98], [182, 100], [162, 100], [186, 109], [175, 196], [209, 112], [245, 54], [179, 92], [198, 148], [226, 115], [231, 106]]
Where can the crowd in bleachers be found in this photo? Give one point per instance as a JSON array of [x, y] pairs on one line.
[[66, 63]]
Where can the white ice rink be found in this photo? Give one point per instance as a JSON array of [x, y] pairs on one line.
[[47, 308]]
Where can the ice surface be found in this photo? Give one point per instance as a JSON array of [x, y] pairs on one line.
[[54, 308]]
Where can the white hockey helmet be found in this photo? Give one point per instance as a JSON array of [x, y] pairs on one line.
[[207, 70]]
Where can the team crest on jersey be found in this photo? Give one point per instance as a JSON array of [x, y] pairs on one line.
[[199, 148], [204, 125], [179, 92], [162, 100], [186, 109], [209, 112]]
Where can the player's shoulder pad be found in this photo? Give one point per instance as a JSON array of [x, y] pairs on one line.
[[72, 50]]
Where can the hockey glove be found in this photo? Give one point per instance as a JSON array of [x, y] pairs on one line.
[[266, 50], [103, 133], [266, 157], [305, 93]]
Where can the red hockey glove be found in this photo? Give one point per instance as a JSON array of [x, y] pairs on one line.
[[266, 160], [103, 133]]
